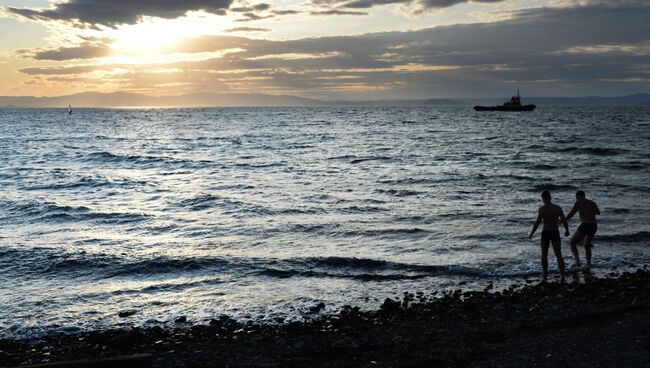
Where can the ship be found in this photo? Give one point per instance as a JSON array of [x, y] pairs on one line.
[[513, 105]]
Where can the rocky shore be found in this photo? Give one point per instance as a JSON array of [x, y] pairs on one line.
[[603, 322]]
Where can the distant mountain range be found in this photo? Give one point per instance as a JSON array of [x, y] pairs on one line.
[[208, 99], [125, 99], [413, 102]]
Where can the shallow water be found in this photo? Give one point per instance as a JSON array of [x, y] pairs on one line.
[[259, 213]]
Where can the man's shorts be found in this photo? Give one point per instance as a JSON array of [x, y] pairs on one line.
[[588, 229], [548, 235]]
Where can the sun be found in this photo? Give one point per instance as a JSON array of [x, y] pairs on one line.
[[156, 35], [147, 37]]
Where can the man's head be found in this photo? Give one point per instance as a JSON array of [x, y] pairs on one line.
[[580, 195], [546, 196]]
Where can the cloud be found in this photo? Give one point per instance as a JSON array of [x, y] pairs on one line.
[[285, 12], [247, 29], [420, 4], [115, 12], [253, 16], [587, 49], [337, 12], [68, 70], [83, 51], [253, 8]]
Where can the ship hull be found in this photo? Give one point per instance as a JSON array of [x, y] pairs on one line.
[[503, 108]]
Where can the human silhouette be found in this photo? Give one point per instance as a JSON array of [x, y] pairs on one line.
[[551, 214], [588, 210]]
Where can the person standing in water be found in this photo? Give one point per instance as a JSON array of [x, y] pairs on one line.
[[588, 210], [551, 214]]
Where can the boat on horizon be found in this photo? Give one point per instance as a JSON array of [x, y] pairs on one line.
[[513, 105]]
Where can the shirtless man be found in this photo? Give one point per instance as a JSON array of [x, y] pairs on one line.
[[551, 214], [588, 210]]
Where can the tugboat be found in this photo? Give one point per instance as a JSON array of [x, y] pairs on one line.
[[513, 105]]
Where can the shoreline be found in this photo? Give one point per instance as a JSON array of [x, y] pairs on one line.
[[601, 322]]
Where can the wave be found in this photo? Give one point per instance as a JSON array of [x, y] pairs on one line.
[[361, 277], [362, 209], [113, 157], [630, 165], [201, 202], [162, 265], [364, 159], [364, 269], [407, 181], [558, 187], [400, 192], [596, 151], [620, 210], [89, 182], [53, 212], [233, 206], [344, 157], [260, 165], [48, 261], [55, 262], [514, 177], [298, 211], [108, 157], [541, 166], [101, 217], [157, 288], [386, 233], [207, 201], [640, 237]]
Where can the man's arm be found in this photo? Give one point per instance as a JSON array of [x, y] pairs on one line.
[[536, 224], [564, 222], [596, 209], [572, 212]]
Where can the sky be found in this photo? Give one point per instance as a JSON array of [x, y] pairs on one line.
[[328, 49]]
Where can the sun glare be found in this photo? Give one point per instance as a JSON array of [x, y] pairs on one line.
[[155, 35], [146, 37]]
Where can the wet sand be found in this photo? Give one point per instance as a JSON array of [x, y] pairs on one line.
[[601, 322]]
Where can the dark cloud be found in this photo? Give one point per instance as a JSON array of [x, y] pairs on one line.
[[363, 4], [261, 11], [337, 12], [420, 4], [253, 8], [285, 12], [78, 69], [83, 51], [253, 16], [592, 49], [247, 29], [116, 12], [437, 4]]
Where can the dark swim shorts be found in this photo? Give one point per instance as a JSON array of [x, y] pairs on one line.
[[548, 235], [588, 229]]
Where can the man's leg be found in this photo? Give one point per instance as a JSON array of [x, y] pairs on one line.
[[544, 257], [557, 249], [587, 246], [574, 248]]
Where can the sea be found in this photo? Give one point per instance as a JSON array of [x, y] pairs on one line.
[[115, 218]]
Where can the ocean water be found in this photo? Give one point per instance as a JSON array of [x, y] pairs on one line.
[[134, 217]]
